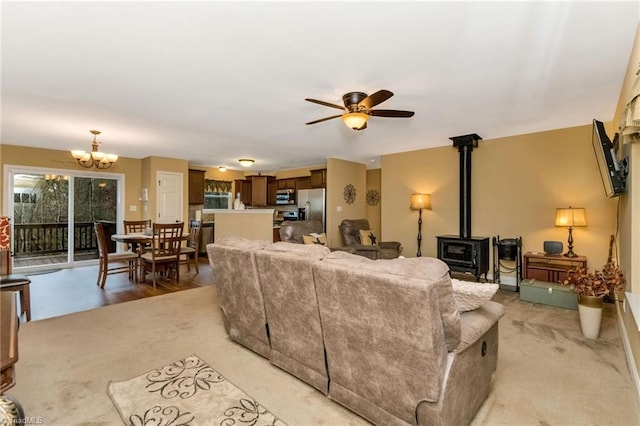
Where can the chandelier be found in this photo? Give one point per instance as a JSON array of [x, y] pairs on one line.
[[96, 157]]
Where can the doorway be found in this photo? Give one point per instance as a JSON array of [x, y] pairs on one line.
[[53, 212], [169, 199]]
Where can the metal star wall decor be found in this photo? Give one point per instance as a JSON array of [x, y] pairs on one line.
[[349, 193], [373, 197]]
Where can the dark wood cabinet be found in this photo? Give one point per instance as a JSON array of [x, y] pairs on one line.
[[260, 191], [303, 182], [243, 187], [196, 186], [289, 183], [550, 268], [318, 178], [272, 188]]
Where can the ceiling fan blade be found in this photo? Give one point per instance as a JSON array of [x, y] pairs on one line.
[[324, 119], [390, 113], [315, 101], [375, 99]]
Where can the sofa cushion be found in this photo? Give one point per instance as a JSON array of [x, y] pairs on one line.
[[472, 295], [241, 243], [288, 288], [423, 268], [315, 239], [368, 237]]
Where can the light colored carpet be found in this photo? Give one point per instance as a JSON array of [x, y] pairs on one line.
[[188, 391], [547, 373]]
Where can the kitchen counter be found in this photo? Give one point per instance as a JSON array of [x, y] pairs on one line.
[[254, 224]]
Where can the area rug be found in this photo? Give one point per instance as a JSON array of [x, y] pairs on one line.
[[186, 392]]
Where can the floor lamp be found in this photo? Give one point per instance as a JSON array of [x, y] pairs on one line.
[[419, 202], [570, 217]]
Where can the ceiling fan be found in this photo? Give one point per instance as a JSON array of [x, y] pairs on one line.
[[357, 108]]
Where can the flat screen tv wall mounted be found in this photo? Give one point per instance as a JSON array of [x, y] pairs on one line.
[[612, 171]]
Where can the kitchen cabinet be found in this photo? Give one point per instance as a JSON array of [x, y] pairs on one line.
[[289, 183], [196, 186], [243, 187], [272, 188], [207, 236], [319, 178], [303, 182], [258, 191]]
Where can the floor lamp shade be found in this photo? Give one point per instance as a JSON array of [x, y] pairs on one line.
[[420, 201]]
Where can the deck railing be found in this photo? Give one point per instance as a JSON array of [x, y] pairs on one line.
[[42, 239]]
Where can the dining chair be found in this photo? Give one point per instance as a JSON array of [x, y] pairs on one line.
[[165, 250], [189, 253], [137, 227], [113, 263]]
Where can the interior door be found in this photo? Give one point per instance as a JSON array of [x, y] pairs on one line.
[[169, 202]]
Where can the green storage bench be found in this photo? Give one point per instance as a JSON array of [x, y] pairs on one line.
[[536, 291]]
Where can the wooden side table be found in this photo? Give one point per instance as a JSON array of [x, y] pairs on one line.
[[550, 268], [10, 410]]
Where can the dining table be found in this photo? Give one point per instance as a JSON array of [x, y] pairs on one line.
[[138, 241]]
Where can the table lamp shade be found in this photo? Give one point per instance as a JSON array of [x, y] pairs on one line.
[[571, 217], [420, 201]]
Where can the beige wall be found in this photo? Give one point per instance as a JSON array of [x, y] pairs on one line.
[[374, 177], [292, 173], [137, 173], [517, 183], [153, 165], [629, 235], [56, 159], [339, 174]]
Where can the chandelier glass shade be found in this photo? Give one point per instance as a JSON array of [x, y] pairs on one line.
[[95, 158], [355, 120]]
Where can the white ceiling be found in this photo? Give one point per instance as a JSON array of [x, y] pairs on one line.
[[211, 82]]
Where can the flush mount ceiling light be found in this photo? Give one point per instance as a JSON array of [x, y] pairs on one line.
[[96, 157], [246, 162], [222, 169]]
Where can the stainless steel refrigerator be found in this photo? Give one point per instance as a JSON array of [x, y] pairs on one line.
[[312, 202]]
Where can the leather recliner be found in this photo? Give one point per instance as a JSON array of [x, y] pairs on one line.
[[350, 233], [292, 231]]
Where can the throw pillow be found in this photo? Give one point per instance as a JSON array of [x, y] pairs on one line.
[[471, 295], [368, 237], [315, 239]]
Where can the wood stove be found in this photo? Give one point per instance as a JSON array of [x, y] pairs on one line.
[[465, 253], [468, 255]]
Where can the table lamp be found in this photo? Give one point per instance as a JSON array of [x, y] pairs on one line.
[[570, 217]]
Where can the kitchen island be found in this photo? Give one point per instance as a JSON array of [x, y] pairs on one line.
[[254, 224]]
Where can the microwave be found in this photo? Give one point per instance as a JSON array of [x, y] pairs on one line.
[[285, 196], [217, 201]]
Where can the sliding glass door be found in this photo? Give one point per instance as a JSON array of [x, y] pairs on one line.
[[54, 212]]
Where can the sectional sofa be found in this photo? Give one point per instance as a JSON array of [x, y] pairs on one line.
[[385, 338]]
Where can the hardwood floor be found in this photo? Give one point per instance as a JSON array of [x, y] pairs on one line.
[[73, 290]]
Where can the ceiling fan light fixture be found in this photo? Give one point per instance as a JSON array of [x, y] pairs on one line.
[[355, 120], [246, 162]]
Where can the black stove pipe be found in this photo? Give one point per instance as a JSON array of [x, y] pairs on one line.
[[465, 145]]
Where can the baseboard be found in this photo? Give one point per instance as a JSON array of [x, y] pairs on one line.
[[507, 283], [627, 351]]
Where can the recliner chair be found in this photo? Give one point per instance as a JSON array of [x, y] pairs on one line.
[[292, 231], [350, 233]]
